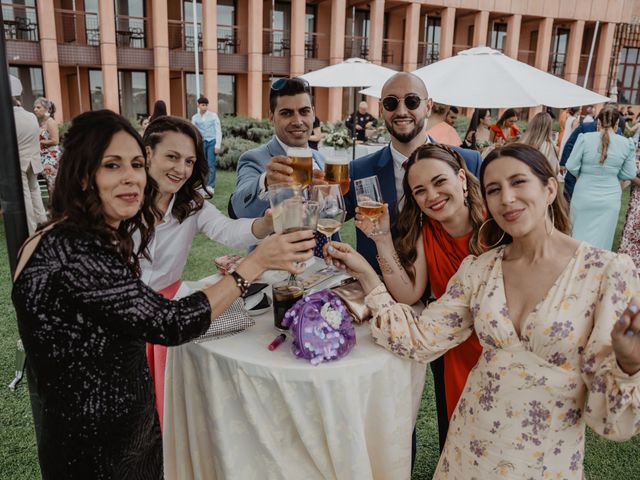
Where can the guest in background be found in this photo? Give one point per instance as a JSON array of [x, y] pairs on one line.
[[630, 241], [558, 321], [177, 163], [159, 110], [588, 114], [316, 135], [80, 275], [564, 113], [452, 116], [437, 228], [27, 135], [363, 120], [209, 126], [439, 129], [45, 110], [478, 134], [570, 124], [505, 130], [600, 161], [538, 135]]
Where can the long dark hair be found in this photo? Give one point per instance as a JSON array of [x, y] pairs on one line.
[[508, 113], [478, 114], [608, 118], [189, 199], [75, 201], [159, 110], [410, 219], [541, 168]]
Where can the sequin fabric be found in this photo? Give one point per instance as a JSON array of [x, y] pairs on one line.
[[84, 319]]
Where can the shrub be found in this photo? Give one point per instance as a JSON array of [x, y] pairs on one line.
[[232, 148], [240, 126]]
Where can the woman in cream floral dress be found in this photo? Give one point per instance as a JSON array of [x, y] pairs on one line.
[[560, 338]]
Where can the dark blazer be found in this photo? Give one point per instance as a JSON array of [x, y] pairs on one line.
[[380, 164], [569, 179]]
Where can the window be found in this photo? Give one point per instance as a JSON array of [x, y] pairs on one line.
[[281, 25], [191, 94], [227, 32], [498, 36], [20, 20], [429, 46], [226, 12], [629, 76], [357, 29], [133, 90], [189, 43], [559, 51], [310, 37], [95, 89], [226, 95], [32, 84], [130, 23]]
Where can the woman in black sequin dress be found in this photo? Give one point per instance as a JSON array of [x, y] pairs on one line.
[[84, 316]]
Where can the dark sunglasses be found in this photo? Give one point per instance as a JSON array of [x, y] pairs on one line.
[[280, 83], [411, 101]]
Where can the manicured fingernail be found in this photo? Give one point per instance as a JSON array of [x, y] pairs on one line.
[[633, 308], [331, 249], [629, 333], [623, 320]]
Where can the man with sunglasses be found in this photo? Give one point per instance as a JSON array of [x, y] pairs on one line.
[[405, 107], [291, 112]]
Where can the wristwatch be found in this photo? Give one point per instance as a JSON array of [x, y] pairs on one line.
[[241, 282]]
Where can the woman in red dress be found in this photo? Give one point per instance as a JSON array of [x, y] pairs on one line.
[[437, 227], [505, 130]]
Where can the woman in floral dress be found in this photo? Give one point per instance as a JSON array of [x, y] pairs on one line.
[[630, 241], [560, 338], [45, 110]]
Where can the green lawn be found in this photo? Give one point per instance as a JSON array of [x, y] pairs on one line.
[[18, 460]]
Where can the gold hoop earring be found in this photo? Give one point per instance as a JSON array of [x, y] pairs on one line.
[[489, 247], [553, 220]]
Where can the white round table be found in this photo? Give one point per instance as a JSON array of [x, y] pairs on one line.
[[235, 410]]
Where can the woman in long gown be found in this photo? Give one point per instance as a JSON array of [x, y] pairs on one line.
[[179, 167], [558, 321], [84, 315], [437, 228], [630, 241], [600, 161]]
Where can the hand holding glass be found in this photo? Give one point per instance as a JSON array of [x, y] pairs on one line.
[[369, 198], [302, 165]]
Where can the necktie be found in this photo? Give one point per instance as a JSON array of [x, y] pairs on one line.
[[321, 241], [404, 164]]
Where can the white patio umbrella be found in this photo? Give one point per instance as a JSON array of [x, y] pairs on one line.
[[353, 72], [485, 78]]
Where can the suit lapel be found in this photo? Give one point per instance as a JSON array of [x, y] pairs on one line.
[[275, 148]]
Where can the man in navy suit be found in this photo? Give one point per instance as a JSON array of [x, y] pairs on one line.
[[569, 179], [405, 106], [291, 113]]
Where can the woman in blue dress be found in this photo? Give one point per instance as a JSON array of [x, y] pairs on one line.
[[600, 160]]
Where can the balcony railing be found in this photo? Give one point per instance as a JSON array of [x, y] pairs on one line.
[[228, 39], [276, 42], [81, 28], [20, 22], [181, 35], [311, 42], [527, 56], [356, 47], [392, 51], [131, 32], [557, 63], [428, 53]]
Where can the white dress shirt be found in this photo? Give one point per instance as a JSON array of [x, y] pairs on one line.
[[170, 246], [398, 172]]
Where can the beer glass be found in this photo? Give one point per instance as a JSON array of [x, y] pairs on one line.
[[369, 198], [336, 171], [278, 194], [302, 164]]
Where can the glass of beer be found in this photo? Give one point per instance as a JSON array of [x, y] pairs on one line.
[[369, 198], [285, 295], [336, 171], [279, 193], [302, 164]]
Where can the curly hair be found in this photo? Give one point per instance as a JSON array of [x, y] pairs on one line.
[[410, 219], [76, 202], [492, 234], [189, 199]]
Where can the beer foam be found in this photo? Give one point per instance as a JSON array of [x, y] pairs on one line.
[[299, 152], [337, 161]]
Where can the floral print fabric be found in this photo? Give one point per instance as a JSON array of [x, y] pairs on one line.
[[49, 157], [525, 405], [630, 241]]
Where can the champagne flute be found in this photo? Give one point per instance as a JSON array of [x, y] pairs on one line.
[[370, 202]]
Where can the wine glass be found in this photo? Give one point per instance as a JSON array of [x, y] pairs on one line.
[[332, 210], [370, 202]]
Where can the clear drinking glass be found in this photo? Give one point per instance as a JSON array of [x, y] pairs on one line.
[[332, 210], [370, 202], [298, 214], [278, 194], [302, 164], [336, 170]]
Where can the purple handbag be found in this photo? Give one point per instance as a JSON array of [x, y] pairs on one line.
[[321, 327]]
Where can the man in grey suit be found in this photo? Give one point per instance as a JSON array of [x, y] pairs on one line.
[[28, 132], [291, 113]]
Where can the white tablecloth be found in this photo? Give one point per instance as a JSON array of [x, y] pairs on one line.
[[235, 410]]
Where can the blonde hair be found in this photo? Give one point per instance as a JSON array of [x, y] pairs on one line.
[[538, 131], [439, 108]]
